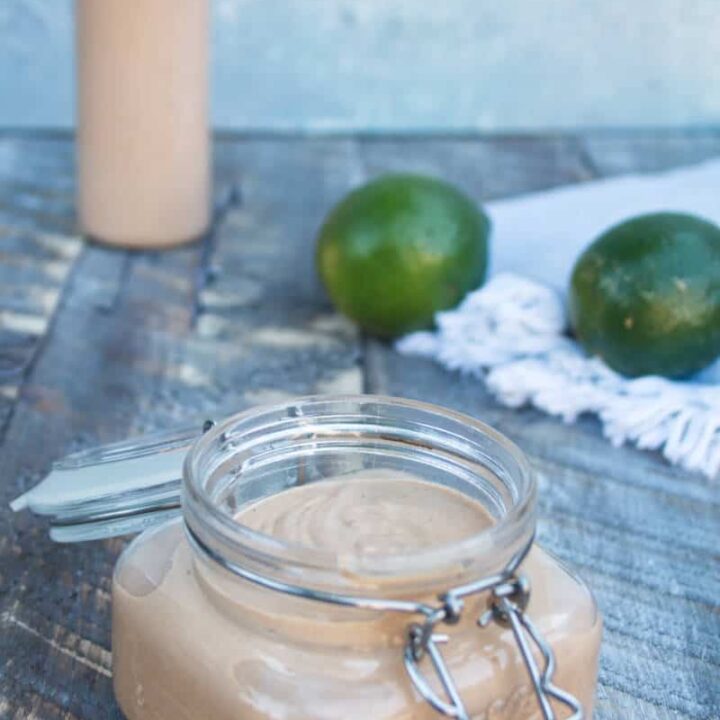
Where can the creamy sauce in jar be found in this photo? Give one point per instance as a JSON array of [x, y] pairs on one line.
[[371, 514], [191, 642]]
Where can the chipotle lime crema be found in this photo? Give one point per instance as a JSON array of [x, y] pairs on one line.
[[190, 641]]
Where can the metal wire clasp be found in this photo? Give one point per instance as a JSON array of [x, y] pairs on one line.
[[509, 597]]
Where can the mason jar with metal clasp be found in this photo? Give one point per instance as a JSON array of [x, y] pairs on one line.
[[213, 618]]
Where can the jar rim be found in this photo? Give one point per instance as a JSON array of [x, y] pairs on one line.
[[227, 536]]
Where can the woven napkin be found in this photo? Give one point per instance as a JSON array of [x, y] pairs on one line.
[[512, 332]]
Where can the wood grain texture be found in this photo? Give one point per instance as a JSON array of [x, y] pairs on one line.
[[96, 344]]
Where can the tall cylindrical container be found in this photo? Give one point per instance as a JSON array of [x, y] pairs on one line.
[[143, 139]]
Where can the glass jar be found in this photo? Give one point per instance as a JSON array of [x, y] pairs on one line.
[[215, 619]]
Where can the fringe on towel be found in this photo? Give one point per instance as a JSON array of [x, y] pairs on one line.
[[511, 333]]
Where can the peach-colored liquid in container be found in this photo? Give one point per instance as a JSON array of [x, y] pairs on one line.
[[143, 143], [191, 643]]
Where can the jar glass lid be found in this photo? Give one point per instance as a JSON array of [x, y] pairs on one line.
[[114, 489]]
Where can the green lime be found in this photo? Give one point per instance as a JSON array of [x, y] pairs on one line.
[[645, 296], [402, 247]]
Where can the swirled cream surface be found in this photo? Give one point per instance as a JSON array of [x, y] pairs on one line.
[[191, 642], [368, 515]]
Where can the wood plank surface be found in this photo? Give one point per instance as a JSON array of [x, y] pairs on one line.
[[98, 344]]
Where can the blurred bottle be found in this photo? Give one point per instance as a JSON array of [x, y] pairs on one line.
[[143, 139]]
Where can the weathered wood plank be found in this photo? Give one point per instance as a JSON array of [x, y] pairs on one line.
[[484, 168], [97, 360], [264, 329], [613, 153], [37, 253], [37, 183], [99, 364]]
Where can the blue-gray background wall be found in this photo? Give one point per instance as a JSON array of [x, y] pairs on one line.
[[411, 64]]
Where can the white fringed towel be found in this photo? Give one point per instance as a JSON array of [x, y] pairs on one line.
[[513, 331]]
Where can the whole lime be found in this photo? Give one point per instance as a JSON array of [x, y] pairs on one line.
[[400, 248], [645, 296]]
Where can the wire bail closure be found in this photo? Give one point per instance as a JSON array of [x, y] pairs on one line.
[[509, 597], [506, 606]]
